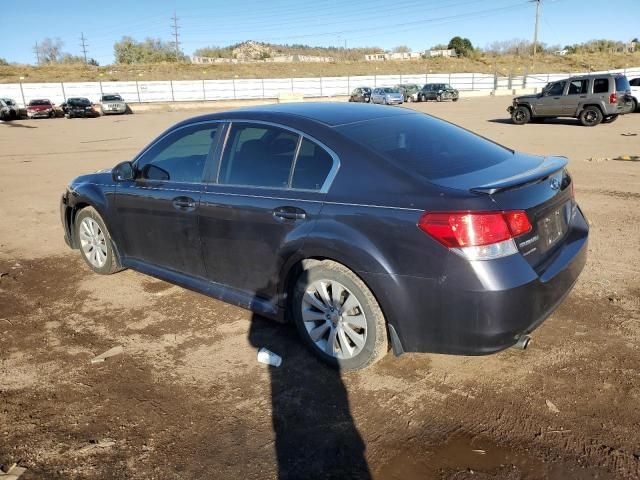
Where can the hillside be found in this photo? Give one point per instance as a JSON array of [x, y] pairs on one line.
[[172, 71]]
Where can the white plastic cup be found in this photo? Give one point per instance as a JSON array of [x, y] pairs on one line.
[[269, 358]]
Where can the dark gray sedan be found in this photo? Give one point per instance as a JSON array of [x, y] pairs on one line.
[[365, 226]]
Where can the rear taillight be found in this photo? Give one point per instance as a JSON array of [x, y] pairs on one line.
[[613, 98], [477, 235]]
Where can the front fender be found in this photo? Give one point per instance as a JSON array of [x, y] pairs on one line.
[[93, 194]]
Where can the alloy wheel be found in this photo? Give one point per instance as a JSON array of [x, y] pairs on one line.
[[334, 319], [93, 242]]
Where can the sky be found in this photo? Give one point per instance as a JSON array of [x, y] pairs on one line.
[[355, 23]]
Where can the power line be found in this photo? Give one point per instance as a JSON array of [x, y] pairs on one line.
[[176, 35], [84, 46]]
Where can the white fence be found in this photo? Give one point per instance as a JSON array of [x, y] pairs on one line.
[[199, 90]]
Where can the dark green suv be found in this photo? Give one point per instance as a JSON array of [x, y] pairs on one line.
[[590, 98]]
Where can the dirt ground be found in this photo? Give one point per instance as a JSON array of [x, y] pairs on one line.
[[187, 398]]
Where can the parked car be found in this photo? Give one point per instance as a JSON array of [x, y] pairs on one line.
[[41, 108], [451, 244], [361, 94], [590, 98], [409, 91], [14, 109], [387, 96], [113, 103], [79, 107], [635, 93], [5, 111], [438, 92]]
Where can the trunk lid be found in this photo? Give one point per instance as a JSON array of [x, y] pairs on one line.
[[540, 186]]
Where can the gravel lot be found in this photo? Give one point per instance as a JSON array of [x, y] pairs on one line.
[[187, 399]]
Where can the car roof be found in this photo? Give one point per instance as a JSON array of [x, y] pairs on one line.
[[329, 114]]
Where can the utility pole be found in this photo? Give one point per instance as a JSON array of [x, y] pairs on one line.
[[176, 35], [36, 50], [83, 45], [535, 32]]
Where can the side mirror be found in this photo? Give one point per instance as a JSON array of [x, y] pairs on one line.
[[123, 172]]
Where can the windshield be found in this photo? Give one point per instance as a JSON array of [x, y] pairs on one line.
[[79, 101], [39, 102], [111, 98], [426, 146], [390, 90]]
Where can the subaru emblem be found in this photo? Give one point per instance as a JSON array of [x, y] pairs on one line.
[[555, 184]]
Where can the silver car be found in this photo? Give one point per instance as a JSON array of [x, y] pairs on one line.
[[387, 96], [113, 103], [12, 108]]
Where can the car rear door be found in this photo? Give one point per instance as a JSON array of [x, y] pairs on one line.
[[574, 96], [261, 204], [157, 213]]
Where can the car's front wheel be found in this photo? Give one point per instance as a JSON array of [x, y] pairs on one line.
[[521, 115], [95, 242], [338, 317]]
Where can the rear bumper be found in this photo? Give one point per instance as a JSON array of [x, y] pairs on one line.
[[481, 308]]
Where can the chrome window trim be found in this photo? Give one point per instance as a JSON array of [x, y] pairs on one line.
[[328, 180]]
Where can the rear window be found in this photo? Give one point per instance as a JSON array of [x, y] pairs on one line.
[[622, 84], [429, 147]]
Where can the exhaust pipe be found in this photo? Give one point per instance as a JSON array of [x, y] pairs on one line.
[[523, 342]]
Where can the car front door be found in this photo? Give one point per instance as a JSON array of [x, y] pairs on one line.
[[261, 205], [549, 103], [157, 213]]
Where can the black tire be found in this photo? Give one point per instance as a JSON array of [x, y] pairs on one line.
[[52, 115], [438, 98], [375, 345], [590, 116], [455, 99], [68, 115], [409, 99], [610, 118], [634, 105], [384, 101], [521, 115], [111, 263]]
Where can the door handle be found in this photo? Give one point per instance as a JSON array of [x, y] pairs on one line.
[[289, 213], [184, 203]]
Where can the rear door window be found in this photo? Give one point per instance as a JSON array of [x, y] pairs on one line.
[[312, 166], [635, 82], [258, 155], [180, 156], [601, 85], [578, 87]]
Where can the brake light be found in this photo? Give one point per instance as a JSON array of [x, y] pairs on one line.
[[613, 98], [477, 235]]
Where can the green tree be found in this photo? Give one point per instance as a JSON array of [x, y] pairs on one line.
[[3, 62], [151, 50], [401, 49], [462, 46]]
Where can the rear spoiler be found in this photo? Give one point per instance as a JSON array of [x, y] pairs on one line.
[[549, 166]]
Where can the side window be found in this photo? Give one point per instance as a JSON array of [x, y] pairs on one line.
[[635, 82], [556, 89], [179, 157], [312, 166], [601, 85], [258, 155], [578, 87]]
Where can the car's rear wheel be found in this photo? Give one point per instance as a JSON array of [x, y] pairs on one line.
[[338, 317], [384, 100], [590, 116], [610, 118], [634, 105], [439, 97], [520, 115], [95, 242]]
